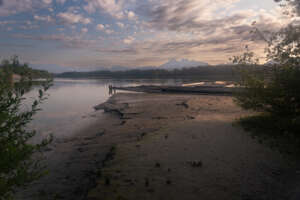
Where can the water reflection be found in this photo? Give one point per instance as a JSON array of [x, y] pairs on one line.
[[70, 103]]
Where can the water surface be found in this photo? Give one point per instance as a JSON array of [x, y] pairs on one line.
[[70, 103]]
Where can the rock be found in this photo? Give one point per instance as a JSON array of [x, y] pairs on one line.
[[109, 107], [168, 182], [195, 163], [89, 138], [184, 104], [100, 133], [190, 117], [159, 117], [146, 182]]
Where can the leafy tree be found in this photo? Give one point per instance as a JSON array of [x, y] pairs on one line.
[[274, 89], [293, 4], [17, 167]]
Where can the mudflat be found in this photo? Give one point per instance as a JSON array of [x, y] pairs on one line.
[[187, 147], [164, 146]]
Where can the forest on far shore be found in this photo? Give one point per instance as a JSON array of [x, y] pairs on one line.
[[11, 66], [218, 72]]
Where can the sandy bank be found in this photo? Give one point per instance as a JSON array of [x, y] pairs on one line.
[[186, 147]]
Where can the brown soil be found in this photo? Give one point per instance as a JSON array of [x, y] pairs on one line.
[[186, 147]]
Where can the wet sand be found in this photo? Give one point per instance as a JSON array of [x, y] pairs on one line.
[[187, 147], [155, 146]]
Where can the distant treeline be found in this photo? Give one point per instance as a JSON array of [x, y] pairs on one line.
[[13, 66], [220, 72]]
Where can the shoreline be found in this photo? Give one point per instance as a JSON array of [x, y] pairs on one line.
[[163, 146], [186, 147]]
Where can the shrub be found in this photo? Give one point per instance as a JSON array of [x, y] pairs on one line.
[[274, 89], [17, 167]]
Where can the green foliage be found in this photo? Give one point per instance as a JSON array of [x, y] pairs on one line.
[[17, 167], [274, 89], [13, 66]]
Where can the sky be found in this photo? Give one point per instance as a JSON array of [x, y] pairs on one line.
[[101, 33]]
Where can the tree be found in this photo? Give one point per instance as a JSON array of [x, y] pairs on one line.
[[17, 167], [273, 89]]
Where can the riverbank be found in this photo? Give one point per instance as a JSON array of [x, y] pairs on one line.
[[186, 147], [163, 146]]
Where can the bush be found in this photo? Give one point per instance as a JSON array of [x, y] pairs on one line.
[[274, 89], [17, 167], [276, 92]]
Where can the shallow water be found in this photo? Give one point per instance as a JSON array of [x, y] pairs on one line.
[[70, 103]]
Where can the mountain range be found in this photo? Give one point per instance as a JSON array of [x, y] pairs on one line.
[[183, 63]]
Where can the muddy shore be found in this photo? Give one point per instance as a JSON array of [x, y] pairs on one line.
[[164, 146], [188, 147]]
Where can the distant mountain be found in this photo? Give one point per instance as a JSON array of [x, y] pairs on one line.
[[183, 63]]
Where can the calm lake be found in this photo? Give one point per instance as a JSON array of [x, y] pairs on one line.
[[70, 103]]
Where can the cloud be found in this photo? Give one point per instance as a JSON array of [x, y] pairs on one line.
[[189, 15], [131, 15], [61, 1], [47, 1], [159, 29], [205, 23], [201, 48], [84, 30], [43, 18], [128, 40], [16, 45], [104, 28], [71, 18], [109, 31], [100, 27], [67, 41], [8, 22], [11, 7], [111, 7], [121, 25], [127, 51]]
